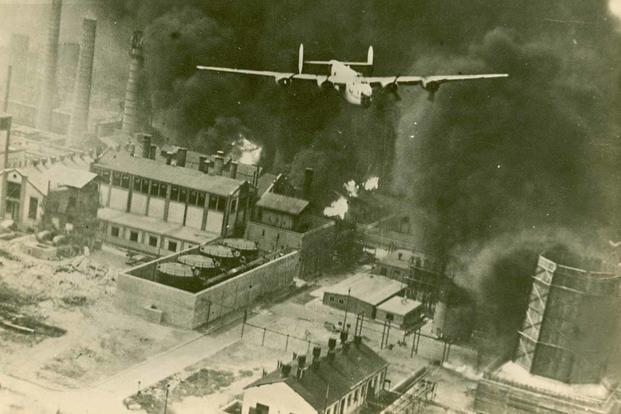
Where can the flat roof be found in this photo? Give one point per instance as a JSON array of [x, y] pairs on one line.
[[285, 204], [399, 306], [373, 289], [185, 177], [68, 172], [157, 226]]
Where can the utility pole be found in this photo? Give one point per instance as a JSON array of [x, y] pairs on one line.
[[166, 398], [346, 309]]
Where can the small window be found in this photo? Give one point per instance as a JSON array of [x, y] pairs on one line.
[[183, 194], [174, 193], [193, 197], [116, 178], [125, 181], [32, 208], [341, 301], [115, 231], [200, 201], [153, 241], [105, 174], [221, 204], [144, 186], [137, 182], [233, 206], [163, 190], [172, 246], [263, 232], [356, 395], [133, 236], [349, 400], [213, 201], [155, 188], [331, 298]]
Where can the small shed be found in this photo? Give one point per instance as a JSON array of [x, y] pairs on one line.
[[361, 293], [403, 312]]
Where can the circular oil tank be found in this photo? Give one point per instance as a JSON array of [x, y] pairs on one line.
[[224, 255], [202, 266], [178, 275], [247, 248]]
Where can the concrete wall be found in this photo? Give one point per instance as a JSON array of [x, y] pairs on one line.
[[315, 245], [187, 310]]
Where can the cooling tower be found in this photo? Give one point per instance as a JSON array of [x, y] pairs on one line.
[[48, 81], [82, 91]]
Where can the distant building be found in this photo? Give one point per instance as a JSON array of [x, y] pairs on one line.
[[281, 221], [155, 207], [31, 192], [420, 273], [403, 312], [362, 293], [341, 382]]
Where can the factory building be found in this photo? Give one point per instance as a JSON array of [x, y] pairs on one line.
[[564, 344], [158, 208], [281, 221], [341, 382], [362, 293], [204, 283], [420, 273]]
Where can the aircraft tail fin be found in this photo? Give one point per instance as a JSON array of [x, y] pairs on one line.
[[369, 61], [301, 58]]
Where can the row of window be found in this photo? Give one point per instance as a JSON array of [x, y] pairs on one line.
[[159, 189], [115, 231]]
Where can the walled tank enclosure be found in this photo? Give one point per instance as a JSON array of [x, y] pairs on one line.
[[225, 256], [247, 248], [174, 297], [571, 316]]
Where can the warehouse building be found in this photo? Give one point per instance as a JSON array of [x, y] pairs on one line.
[[362, 293], [403, 312], [153, 207]]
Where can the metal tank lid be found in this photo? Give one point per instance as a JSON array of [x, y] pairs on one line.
[[197, 260], [175, 269], [240, 244], [217, 250]]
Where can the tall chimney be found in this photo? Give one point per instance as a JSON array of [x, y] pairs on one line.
[[182, 154], [5, 129], [202, 163], [82, 91], [233, 169], [146, 145], [18, 58], [331, 344], [307, 185], [130, 109], [68, 58], [218, 164], [316, 355], [48, 82]]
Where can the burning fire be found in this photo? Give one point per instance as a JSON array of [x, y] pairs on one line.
[[339, 207], [250, 152], [372, 183]]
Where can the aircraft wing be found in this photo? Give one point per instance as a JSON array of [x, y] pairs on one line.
[[428, 80], [276, 75]]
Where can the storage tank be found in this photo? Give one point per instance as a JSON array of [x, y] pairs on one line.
[[224, 255], [247, 248], [571, 316], [202, 266], [453, 315], [178, 275]]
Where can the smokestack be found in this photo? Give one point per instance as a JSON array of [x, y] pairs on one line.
[[146, 145], [202, 164], [233, 169], [218, 164], [5, 126], [307, 185], [357, 340], [343, 337], [285, 370], [316, 355], [69, 56], [182, 154], [169, 157], [18, 58], [132, 149], [130, 109], [152, 151], [48, 82], [82, 92]]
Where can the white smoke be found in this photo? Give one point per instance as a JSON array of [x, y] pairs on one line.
[[372, 183], [338, 208], [352, 188], [249, 152]]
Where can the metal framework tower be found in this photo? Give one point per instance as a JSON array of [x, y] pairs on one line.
[[571, 316]]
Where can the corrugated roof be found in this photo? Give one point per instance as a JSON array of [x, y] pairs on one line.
[[185, 177], [399, 306], [282, 203], [332, 379], [70, 173], [372, 289]]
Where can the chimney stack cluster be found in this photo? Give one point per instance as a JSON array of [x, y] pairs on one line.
[[182, 154], [48, 81], [130, 107], [78, 124]]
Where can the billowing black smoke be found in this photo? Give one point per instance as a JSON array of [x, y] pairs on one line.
[[487, 161]]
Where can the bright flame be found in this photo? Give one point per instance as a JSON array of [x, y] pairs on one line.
[[352, 188], [338, 208], [615, 7], [372, 183]]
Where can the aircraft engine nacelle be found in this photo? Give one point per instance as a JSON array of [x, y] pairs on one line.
[[284, 82], [325, 85], [432, 88], [391, 87]]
